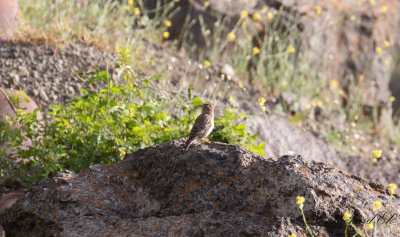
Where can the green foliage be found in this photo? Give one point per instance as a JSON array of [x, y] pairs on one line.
[[102, 126], [226, 130]]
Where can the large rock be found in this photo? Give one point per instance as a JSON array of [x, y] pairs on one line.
[[8, 18], [213, 189], [348, 36], [26, 103]]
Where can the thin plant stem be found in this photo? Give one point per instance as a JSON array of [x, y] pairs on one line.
[[305, 222], [355, 195]]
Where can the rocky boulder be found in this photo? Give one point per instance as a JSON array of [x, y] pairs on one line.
[[8, 18], [213, 189]]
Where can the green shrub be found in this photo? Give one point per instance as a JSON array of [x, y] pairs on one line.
[[101, 127], [226, 130]]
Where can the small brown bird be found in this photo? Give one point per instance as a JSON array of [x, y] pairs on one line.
[[203, 125]]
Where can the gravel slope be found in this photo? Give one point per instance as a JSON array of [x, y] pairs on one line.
[[48, 74]]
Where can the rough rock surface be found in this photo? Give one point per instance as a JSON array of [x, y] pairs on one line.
[[347, 35], [8, 200], [8, 18], [213, 189], [25, 102]]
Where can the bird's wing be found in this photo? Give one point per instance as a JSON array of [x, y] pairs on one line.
[[208, 120], [198, 126]]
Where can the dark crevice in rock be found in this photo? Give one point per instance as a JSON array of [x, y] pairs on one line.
[[31, 225]]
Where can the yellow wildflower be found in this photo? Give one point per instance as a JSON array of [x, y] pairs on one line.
[[122, 153], [347, 217], [370, 225], [384, 7], [374, 160], [136, 11], [232, 100], [320, 104], [244, 14], [292, 235], [353, 17], [127, 7], [333, 84], [300, 201], [208, 32], [264, 9], [240, 84], [362, 77], [386, 44], [168, 23], [231, 37], [130, 2], [206, 3], [270, 16], [377, 153], [377, 205], [342, 93], [176, 0], [290, 49], [206, 63], [378, 50], [372, 2], [262, 101], [166, 35], [256, 50], [256, 16], [392, 188], [318, 10], [392, 99]]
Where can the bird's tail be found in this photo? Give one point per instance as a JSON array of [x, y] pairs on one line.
[[189, 142]]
